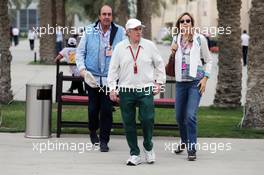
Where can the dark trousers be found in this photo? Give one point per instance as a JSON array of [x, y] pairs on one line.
[[11, 40], [58, 47], [77, 85], [100, 112], [31, 44], [128, 102], [15, 40], [245, 51]]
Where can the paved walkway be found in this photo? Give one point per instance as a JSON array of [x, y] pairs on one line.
[[19, 156], [23, 73], [22, 156]]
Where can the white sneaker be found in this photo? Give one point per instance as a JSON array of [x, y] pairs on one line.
[[134, 160], [150, 156]]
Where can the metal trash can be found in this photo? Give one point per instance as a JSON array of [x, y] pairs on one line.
[[38, 110], [169, 89]]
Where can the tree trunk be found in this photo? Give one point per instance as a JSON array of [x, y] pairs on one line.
[[60, 12], [254, 107], [121, 13], [144, 12], [228, 91], [60, 18], [5, 55], [47, 41]]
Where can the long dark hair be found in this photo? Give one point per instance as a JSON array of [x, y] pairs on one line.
[[178, 23]]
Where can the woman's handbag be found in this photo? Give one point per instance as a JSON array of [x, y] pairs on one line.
[[170, 67]]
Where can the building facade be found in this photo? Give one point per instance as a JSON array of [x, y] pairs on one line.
[[204, 12]]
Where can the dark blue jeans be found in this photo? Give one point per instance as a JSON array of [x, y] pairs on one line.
[[245, 51], [100, 112], [59, 47], [187, 103]]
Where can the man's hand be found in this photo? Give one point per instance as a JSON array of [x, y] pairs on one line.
[[156, 88], [82, 73], [202, 85], [88, 78], [113, 96]]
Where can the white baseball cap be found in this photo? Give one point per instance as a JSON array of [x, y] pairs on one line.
[[133, 23], [72, 41]]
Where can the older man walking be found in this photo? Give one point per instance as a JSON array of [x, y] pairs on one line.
[[140, 71]]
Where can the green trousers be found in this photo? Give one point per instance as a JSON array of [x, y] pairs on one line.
[[128, 103]]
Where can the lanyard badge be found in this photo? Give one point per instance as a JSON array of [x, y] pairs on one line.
[[135, 59], [108, 51]]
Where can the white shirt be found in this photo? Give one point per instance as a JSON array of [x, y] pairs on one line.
[[69, 55], [59, 36], [199, 50], [15, 31], [104, 42], [245, 39], [31, 35], [150, 66]]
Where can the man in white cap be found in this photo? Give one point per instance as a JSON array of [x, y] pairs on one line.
[[140, 71]]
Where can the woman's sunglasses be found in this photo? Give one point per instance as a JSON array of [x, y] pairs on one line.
[[187, 21]]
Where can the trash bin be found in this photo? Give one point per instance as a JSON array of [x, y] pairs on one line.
[[169, 89], [38, 110]]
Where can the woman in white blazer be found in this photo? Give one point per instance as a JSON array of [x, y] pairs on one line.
[[192, 69]]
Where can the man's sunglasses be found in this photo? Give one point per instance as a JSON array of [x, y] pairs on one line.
[[187, 21]]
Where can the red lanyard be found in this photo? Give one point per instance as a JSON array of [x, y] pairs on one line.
[[135, 59]]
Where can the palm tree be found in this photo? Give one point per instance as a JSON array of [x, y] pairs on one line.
[[5, 55], [47, 41], [254, 107], [228, 91], [122, 12], [60, 17], [19, 3], [144, 12], [119, 7], [72, 8], [60, 12]]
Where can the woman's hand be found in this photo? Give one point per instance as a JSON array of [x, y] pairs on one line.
[[202, 85], [174, 48]]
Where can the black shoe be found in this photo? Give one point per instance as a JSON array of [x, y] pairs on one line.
[[191, 155], [94, 138], [104, 147], [180, 148]]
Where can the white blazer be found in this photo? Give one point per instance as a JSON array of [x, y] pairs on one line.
[[199, 50]]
